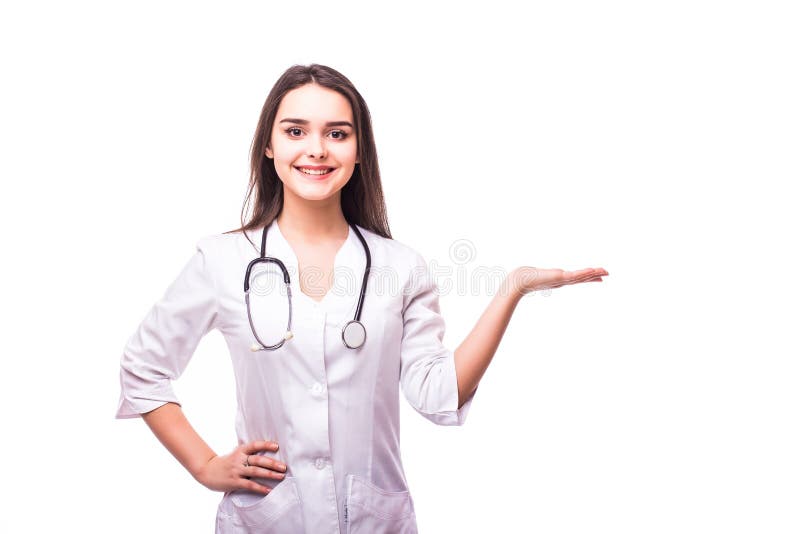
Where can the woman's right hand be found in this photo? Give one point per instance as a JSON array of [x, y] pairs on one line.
[[229, 472]]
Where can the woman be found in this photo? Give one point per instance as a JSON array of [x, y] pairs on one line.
[[318, 402]]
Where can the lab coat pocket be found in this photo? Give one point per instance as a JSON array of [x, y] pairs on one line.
[[278, 512], [373, 510]]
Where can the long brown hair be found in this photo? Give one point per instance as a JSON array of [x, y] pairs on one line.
[[362, 196]]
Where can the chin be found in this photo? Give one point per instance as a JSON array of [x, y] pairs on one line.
[[314, 194]]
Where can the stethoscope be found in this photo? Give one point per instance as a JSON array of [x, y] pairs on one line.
[[353, 333]]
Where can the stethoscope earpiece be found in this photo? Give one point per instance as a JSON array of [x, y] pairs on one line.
[[255, 347]]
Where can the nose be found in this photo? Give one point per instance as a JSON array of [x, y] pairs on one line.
[[316, 147]]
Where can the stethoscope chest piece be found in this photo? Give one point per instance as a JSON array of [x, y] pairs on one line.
[[354, 334]]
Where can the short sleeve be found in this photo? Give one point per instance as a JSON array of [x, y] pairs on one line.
[[427, 367], [160, 349]]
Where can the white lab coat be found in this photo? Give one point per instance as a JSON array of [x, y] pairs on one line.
[[334, 411]]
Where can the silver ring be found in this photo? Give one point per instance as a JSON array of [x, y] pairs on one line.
[[247, 461]]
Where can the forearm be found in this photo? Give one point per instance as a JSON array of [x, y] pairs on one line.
[[173, 430], [472, 357]]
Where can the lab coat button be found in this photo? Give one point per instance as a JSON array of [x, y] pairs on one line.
[[320, 463], [317, 388]]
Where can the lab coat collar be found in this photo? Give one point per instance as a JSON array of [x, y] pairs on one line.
[[349, 264]]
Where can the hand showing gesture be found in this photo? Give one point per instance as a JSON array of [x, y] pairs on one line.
[[527, 279], [232, 471]]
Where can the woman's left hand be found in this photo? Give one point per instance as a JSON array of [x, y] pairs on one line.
[[527, 279]]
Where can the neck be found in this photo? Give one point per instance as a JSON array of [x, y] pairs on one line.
[[312, 220]]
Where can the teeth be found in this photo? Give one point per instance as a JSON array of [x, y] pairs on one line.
[[309, 171]]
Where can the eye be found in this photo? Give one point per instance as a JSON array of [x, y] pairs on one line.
[[339, 135]]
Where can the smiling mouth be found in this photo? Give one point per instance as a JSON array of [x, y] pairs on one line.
[[311, 172]]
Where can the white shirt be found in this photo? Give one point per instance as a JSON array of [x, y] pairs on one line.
[[334, 411]]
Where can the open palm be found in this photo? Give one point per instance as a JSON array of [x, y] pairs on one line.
[[527, 279]]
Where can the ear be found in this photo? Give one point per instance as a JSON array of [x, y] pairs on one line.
[[268, 152]]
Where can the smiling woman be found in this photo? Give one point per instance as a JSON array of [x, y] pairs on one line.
[[317, 420], [312, 145], [314, 118]]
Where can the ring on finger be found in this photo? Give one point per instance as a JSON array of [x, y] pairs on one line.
[[247, 461]]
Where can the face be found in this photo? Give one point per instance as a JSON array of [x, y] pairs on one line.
[[313, 133]]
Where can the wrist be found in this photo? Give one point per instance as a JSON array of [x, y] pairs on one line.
[[198, 470], [512, 287]]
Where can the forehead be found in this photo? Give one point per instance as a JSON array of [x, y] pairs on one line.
[[316, 104]]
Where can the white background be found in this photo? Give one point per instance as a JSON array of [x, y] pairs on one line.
[[658, 140]]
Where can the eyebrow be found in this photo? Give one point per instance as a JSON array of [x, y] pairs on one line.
[[332, 123]]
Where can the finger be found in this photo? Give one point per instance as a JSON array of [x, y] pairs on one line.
[[254, 486], [597, 271], [255, 446], [267, 463], [572, 275], [586, 275], [261, 472]]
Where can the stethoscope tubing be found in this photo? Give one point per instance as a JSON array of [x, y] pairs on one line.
[[355, 323]]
